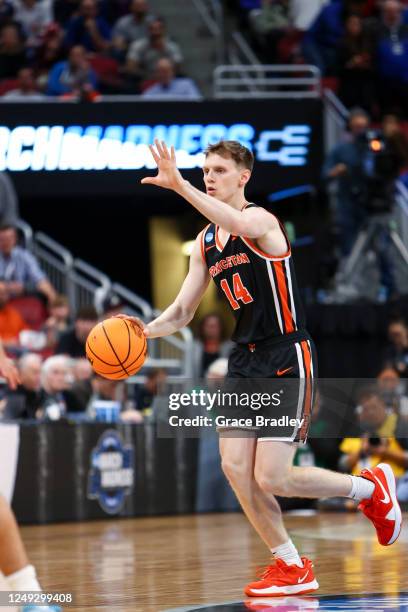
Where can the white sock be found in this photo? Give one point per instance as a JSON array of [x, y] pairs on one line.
[[361, 488], [288, 553], [23, 580]]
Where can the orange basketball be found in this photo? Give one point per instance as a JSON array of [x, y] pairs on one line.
[[116, 348]]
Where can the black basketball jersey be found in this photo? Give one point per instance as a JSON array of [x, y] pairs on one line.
[[261, 289]]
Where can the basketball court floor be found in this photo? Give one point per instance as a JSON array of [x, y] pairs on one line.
[[201, 562]]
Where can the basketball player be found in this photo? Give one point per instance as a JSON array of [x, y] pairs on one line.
[[246, 251], [18, 574]]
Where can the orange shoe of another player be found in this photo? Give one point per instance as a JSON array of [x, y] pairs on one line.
[[282, 579], [382, 508]]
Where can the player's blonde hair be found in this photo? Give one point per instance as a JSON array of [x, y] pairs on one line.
[[232, 149]]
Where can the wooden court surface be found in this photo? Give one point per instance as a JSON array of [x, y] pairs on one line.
[[160, 563]]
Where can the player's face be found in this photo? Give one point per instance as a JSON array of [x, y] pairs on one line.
[[223, 177]]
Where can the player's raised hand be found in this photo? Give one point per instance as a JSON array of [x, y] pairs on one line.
[[9, 371], [134, 321], [168, 175]]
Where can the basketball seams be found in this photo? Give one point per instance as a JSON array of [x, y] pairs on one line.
[[128, 332], [113, 349], [120, 375], [97, 356], [128, 366], [122, 368], [134, 361]]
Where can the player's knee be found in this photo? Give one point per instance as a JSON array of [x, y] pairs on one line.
[[277, 482], [236, 471]]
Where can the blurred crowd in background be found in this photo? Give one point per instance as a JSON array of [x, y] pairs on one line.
[[360, 46], [80, 49], [84, 48]]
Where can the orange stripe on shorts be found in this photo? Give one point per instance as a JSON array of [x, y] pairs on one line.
[[284, 296], [307, 403]]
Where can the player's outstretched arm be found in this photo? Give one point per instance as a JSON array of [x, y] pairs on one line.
[[181, 311], [252, 223]]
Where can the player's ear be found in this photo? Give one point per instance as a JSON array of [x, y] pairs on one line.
[[244, 178]]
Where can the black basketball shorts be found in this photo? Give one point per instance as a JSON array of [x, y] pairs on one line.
[[273, 386]]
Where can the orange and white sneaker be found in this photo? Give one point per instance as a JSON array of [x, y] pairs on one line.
[[382, 508], [282, 579]]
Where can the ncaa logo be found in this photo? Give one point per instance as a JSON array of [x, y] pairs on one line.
[[209, 237], [111, 475]]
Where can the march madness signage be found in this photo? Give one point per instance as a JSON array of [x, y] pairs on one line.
[[111, 475], [46, 147]]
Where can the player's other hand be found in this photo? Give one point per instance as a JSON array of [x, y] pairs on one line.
[[134, 321], [168, 175], [10, 372]]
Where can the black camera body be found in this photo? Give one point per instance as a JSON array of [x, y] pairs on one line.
[[379, 169]]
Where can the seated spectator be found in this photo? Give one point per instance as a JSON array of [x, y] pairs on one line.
[[73, 76], [33, 16], [321, 39], [169, 86], [144, 54], [58, 321], [19, 268], [210, 344], [78, 395], [49, 53], [393, 391], [55, 381], [82, 370], [26, 91], [25, 401], [391, 48], [355, 66], [270, 24], [112, 391], [72, 341], [12, 52], [9, 210], [11, 321], [144, 395], [132, 27], [89, 29], [396, 354], [378, 438]]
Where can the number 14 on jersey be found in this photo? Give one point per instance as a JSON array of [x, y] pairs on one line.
[[240, 292]]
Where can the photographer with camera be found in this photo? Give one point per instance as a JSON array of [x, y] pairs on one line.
[[365, 170], [378, 437], [343, 165]]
